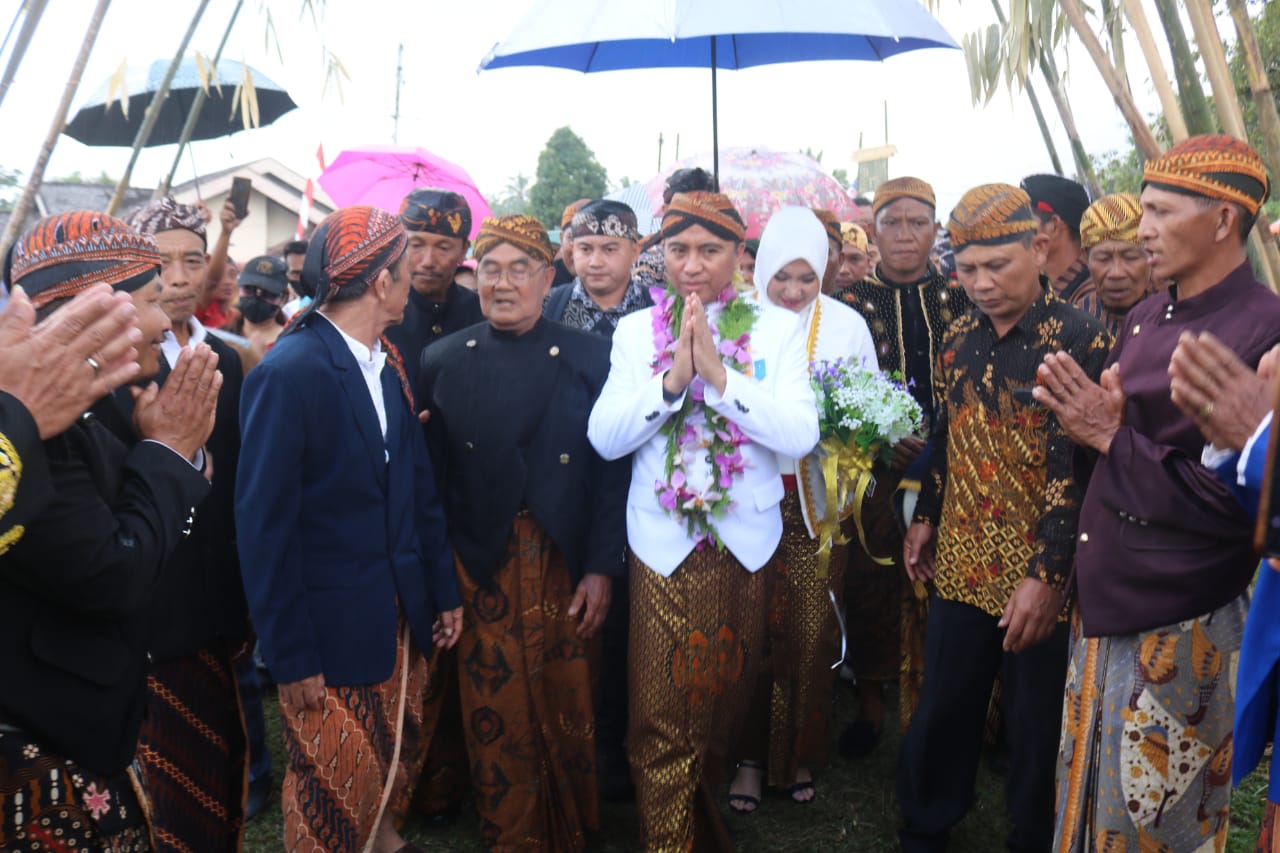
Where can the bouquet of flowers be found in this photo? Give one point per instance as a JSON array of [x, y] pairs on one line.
[[862, 414]]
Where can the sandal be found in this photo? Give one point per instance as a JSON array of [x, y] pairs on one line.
[[803, 788], [745, 804]]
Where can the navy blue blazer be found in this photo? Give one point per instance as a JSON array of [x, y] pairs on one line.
[[335, 525]]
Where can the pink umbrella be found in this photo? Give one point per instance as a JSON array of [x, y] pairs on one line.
[[760, 180], [382, 175]]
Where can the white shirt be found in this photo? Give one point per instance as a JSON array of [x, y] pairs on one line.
[[171, 349], [371, 362]]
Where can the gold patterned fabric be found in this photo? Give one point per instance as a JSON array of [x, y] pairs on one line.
[[341, 758], [696, 642], [523, 232], [1002, 488], [525, 685], [1112, 217], [1215, 166], [991, 214], [713, 211], [792, 704], [853, 234], [1145, 758], [900, 188]]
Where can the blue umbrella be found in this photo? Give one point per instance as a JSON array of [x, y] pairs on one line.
[[96, 123], [611, 35]]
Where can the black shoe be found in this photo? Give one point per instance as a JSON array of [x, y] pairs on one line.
[[259, 796], [858, 739]]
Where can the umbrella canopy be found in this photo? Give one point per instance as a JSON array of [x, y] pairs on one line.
[[759, 181], [96, 123], [382, 175], [610, 35]]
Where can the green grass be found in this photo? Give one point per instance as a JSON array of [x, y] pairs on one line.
[[854, 812]]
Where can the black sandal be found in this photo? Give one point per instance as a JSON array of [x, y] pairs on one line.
[[801, 788], [745, 804]]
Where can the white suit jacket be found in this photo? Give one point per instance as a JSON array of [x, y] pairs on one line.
[[775, 409]]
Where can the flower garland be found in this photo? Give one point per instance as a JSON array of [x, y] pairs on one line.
[[718, 439]]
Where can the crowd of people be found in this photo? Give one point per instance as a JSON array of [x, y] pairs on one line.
[[558, 540]]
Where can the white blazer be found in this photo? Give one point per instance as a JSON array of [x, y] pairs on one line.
[[832, 330], [775, 409]]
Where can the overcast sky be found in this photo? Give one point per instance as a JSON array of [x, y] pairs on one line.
[[495, 123]]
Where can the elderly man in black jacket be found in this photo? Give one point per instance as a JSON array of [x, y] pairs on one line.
[[536, 519], [74, 591]]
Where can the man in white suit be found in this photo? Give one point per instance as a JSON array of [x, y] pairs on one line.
[[704, 388]]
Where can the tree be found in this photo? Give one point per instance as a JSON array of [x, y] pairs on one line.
[[10, 180], [567, 171], [514, 199]]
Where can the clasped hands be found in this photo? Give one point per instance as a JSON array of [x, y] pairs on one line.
[[696, 353]]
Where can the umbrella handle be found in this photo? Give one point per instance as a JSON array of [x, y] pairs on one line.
[[195, 174]]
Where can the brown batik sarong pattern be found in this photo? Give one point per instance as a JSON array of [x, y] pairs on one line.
[[696, 642], [525, 685], [51, 805], [340, 757], [802, 641], [1145, 757], [874, 592], [1269, 833], [193, 755], [446, 774]]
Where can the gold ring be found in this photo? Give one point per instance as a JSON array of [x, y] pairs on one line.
[[1206, 411]]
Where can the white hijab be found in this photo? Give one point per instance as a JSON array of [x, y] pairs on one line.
[[792, 233]]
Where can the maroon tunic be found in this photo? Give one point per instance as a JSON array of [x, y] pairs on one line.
[[1161, 538]]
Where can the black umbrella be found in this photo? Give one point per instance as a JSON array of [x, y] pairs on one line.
[[97, 123]]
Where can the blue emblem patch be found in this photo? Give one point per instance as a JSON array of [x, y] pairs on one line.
[[757, 369]]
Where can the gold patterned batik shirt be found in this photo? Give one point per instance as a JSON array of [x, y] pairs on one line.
[[1001, 488]]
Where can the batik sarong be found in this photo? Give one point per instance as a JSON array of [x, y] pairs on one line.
[[1269, 832], [789, 722], [193, 755], [446, 776], [525, 684], [696, 643], [1145, 758], [874, 592], [50, 805], [342, 758]]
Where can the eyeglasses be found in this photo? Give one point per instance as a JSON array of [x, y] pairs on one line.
[[518, 274]]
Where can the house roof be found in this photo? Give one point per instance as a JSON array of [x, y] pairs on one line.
[[270, 177], [56, 197]]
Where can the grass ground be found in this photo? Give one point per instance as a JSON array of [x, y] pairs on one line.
[[854, 811]]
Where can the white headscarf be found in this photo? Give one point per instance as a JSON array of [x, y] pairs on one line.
[[792, 233]]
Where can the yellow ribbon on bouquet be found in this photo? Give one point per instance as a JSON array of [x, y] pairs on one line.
[[853, 487]]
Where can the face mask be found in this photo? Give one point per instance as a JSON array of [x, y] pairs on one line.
[[256, 309]]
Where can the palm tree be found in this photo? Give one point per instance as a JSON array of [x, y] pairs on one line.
[[23, 205]]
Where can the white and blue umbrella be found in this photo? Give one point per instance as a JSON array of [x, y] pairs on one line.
[[612, 35]]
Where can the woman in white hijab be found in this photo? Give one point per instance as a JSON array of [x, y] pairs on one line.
[[788, 723]]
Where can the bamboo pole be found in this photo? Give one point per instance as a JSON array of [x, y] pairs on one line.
[[23, 205], [1142, 134], [1259, 85], [1159, 76], [1195, 107], [197, 105], [153, 110], [1224, 97], [35, 8]]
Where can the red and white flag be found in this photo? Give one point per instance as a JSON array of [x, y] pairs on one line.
[[308, 196]]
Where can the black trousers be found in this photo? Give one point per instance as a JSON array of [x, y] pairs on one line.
[[938, 761], [611, 701]]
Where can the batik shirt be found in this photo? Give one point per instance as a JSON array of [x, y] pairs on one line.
[[1075, 287], [1001, 489], [582, 312]]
